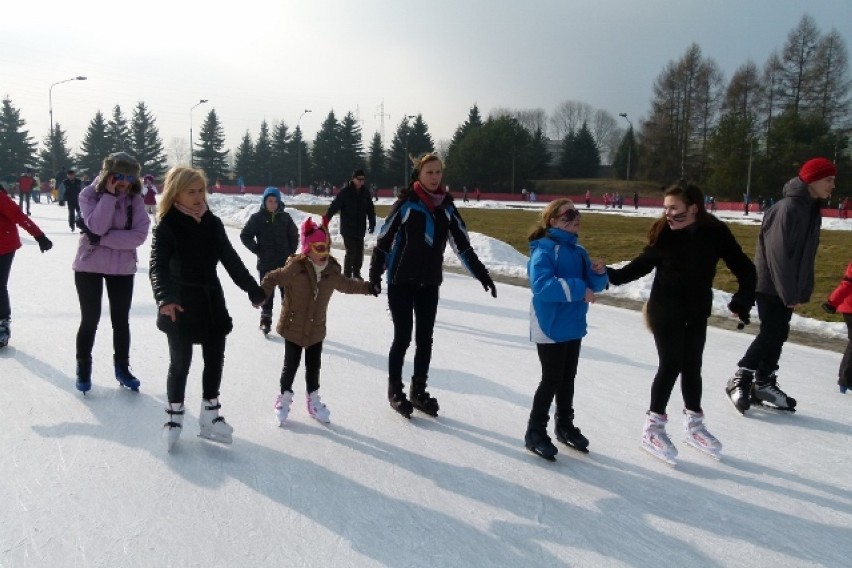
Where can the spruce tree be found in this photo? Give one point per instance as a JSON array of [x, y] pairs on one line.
[[278, 165], [17, 149], [147, 144], [298, 159], [211, 155], [376, 162], [351, 146], [118, 132], [244, 159], [474, 121], [325, 153], [54, 159], [262, 158], [96, 146]]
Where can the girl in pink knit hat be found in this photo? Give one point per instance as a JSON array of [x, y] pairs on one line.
[[309, 278]]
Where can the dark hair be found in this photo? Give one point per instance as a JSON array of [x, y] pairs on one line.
[[690, 194]]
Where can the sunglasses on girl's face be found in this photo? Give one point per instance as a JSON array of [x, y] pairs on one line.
[[319, 248], [569, 216], [124, 177]]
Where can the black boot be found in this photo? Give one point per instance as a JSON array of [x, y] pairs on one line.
[[124, 376], [84, 374], [397, 399], [538, 442], [569, 434], [421, 399]]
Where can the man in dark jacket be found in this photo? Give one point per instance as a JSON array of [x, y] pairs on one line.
[[786, 253], [72, 186], [356, 210], [272, 235]]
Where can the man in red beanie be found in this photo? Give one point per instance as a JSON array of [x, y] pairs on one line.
[[786, 251]]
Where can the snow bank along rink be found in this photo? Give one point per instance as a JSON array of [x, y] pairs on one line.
[[88, 482]]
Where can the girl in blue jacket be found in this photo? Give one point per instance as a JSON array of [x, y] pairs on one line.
[[563, 281]]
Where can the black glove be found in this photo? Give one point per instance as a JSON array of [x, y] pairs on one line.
[[93, 238], [257, 296], [44, 243], [741, 310], [828, 308], [375, 288], [488, 284]]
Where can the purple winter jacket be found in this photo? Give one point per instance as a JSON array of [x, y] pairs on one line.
[[106, 215]]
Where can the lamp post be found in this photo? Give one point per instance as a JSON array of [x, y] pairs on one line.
[[50, 108], [629, 143], [299, 146], [191, 149], [405, 155]]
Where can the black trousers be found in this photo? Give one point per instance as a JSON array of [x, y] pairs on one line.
[[558, 370], [354, 257], [180, 354], [292, 358], [90, 291], [845, 374], [409, 303], [5, 269], [73, 211], [680, 350], [763, 354], [24, 196], [266, 308]]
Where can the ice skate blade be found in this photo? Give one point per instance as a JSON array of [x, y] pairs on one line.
[[426, 412], [739, 411], [581, 449], [541, 455], [760, 404], [716, 455], [665, 459], [215, 438]]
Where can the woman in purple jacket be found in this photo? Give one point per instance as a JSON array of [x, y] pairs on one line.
[[113, 223]]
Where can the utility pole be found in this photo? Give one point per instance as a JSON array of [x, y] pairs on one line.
[[381, 114]]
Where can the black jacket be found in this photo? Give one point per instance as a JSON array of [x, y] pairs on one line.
[[273, 237], [184, 257], [686, 261], [356, 209], [412, 241], [72, 189]]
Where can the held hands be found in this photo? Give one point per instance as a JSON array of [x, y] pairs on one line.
[[44, 243], [488, 285], [171, 310], [741, 310], [598, 266]]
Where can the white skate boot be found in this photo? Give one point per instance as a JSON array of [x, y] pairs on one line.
[[282, 407], [213, 426], [697, 436], [655, 441], [172, 428], [317, 409]]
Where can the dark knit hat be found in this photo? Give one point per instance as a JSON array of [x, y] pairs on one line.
[[358, 173], [817, 169]]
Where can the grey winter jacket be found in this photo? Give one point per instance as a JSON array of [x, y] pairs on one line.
[[787, 245]]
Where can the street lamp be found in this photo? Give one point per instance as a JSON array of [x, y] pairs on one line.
[[405, 155], [191, 153], [629, 143], [299, 146], [50, 107]]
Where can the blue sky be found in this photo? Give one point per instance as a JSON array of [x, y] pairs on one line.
[[256, 61]]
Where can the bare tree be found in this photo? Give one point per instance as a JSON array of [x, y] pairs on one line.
[[831, 101], [178, 152], [743, 95], [798, 61], [569, 116], [607, 135]]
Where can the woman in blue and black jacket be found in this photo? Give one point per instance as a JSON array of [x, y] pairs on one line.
[[411, 248]]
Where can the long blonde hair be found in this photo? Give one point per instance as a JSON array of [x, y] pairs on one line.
[[178, 179], [551, 211]]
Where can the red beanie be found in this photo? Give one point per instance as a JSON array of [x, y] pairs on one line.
[[816, 169]]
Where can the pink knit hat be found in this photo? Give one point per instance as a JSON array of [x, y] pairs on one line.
[[309, 234], [816, 169]]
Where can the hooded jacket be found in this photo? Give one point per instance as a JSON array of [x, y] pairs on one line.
[[122, 224], [560, 270], [303, 316], [787, 245], [273, 237]]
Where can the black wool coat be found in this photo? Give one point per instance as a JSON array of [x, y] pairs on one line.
[[184, 257]]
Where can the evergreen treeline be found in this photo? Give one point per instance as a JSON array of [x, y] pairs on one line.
[[747, 134]]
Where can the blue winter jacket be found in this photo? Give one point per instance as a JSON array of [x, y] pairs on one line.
[[560, 270]]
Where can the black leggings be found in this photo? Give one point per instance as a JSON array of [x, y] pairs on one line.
[[680, 350], [5, 269], [90, 291], [180, 353], [558, 370], [292, 358], [407, 303]]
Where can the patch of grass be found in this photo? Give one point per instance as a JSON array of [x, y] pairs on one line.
[[615, 238]]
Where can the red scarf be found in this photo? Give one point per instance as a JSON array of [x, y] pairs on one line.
[[431, 200]]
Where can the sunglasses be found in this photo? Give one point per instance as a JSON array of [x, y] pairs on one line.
[[124, 177], [359, 179], [319, 248], [569, 216]]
